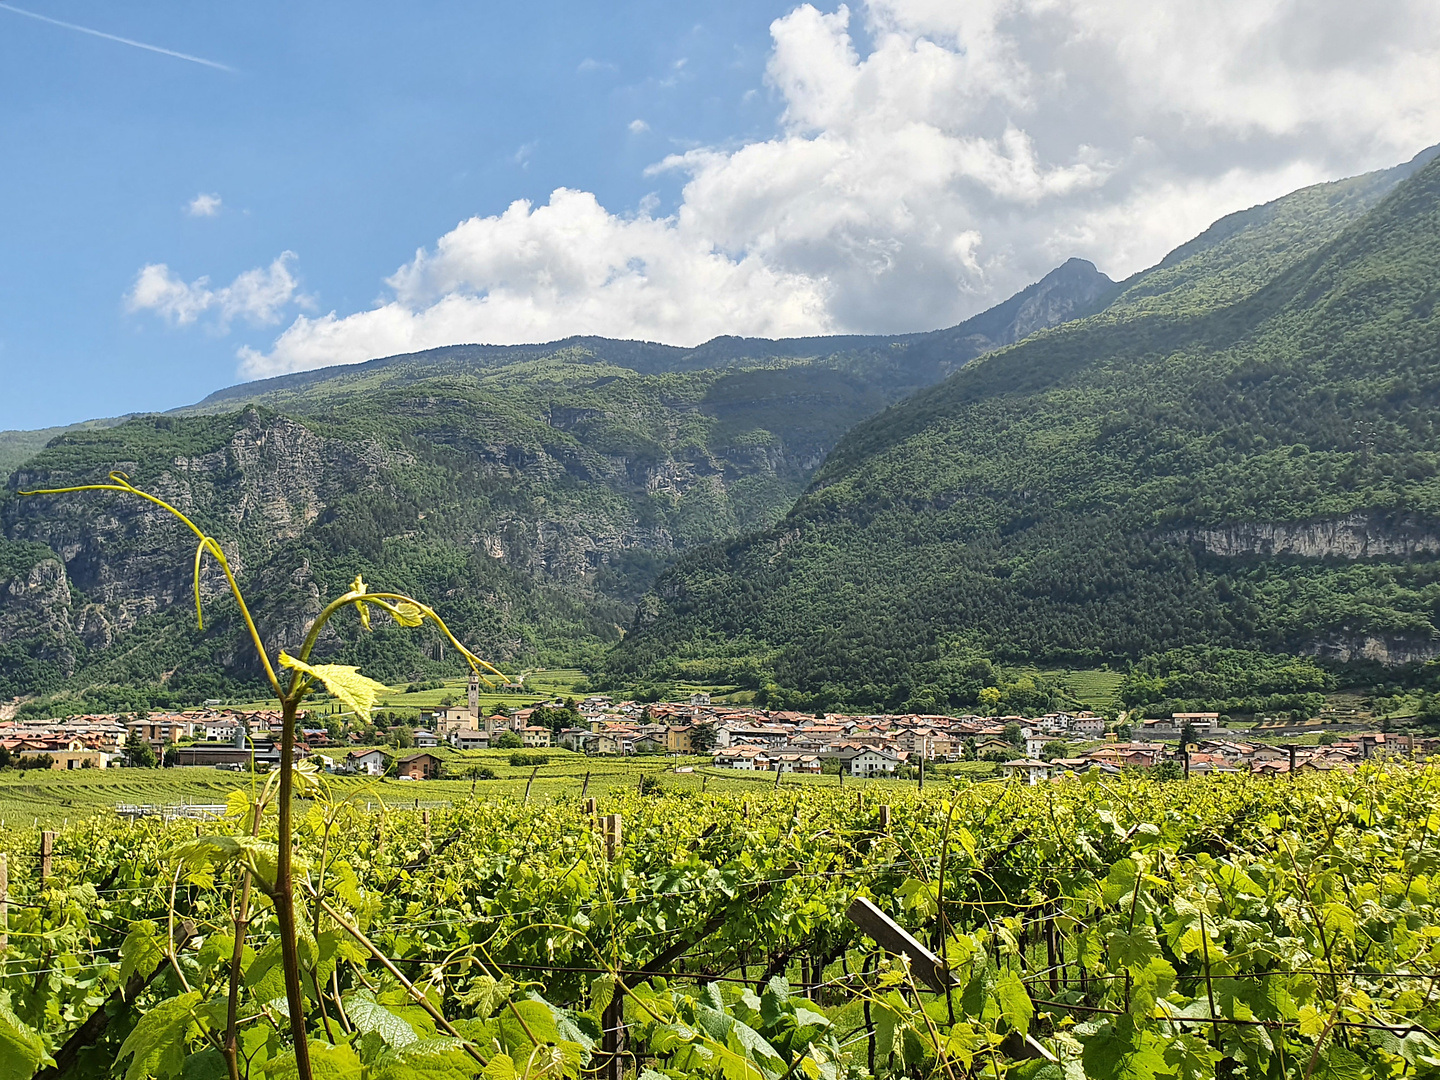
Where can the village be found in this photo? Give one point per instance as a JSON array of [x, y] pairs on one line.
[[746, 739]]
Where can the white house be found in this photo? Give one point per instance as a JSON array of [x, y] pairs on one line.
[[870, 761], [470, 739], [367, 762], [741, 757], [221, 729], [426, 740], [1089, 725], [1035, 745], [1031, 770], [581, 739]]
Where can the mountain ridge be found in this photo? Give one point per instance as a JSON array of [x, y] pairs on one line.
[[536, 491], [1030, 505]]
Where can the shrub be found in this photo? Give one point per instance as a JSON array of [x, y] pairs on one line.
[[529, 757]]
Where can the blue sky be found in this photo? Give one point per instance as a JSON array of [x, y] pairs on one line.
[[366, 179], [348, 133]]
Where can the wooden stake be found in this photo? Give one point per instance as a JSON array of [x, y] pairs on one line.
[[590, 807], [614, 834], [885, 817], [47, 850], [585, 787], [425, 820], [529, 782]]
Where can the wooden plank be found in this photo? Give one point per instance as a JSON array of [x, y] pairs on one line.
[[892, 937]]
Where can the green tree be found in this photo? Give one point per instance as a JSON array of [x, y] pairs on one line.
[[138, 753], [402, 737], [702, 738], [507, 740], [1014, 734], [1168, 770]]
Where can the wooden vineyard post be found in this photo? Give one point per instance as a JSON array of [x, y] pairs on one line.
[[614, 834], [777, 777], [425, 820], [921, 786], [705, 781], [1291, 748], [590, 807], [885, 818], [529, 782], [860, 800], [612, 1036], [47, 851], [585, 787]]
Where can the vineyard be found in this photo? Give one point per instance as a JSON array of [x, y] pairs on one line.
[[1103, 928]]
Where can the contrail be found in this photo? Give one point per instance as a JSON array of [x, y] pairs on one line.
[[113, 37]]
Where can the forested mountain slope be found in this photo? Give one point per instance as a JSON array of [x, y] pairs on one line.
[[1240, 450], [533, 493]]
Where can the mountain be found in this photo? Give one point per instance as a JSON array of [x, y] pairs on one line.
[[1239, 449], [532, 493]]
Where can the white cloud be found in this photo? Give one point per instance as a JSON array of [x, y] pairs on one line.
[[638, 126], [258, 296], [964, 152], [569, 264], [206, 204]]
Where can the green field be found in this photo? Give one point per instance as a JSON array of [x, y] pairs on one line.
[[1095, 689], [41, 799]]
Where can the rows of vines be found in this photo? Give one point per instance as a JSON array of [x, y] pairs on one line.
[[1124, 928]]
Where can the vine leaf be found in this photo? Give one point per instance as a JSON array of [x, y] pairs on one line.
[[1015, 1004], [406, 613], [326, 1063], [156, 1046], [140, 952], [204, 853], [370, 1017], [344, 682], [21, 1050]]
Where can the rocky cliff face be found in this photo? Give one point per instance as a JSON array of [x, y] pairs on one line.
[[1355, 536]]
